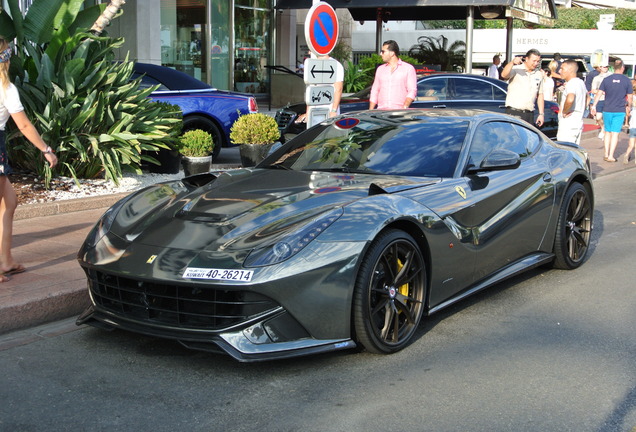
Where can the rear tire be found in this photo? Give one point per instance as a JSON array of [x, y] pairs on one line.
[[199, 122], [574, 228], [389, 293]]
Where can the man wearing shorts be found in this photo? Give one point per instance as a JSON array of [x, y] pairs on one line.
[[617, 89], [596, 83]]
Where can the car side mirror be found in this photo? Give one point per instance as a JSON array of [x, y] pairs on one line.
[[498, 160]]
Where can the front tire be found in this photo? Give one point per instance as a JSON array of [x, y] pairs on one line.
[[574, 228], [389, 293]]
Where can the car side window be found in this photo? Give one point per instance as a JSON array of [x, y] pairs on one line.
[[432, 89], [499, 135], [530, 138], [146, 82], [472, 89], [498, 94], [506, 136]]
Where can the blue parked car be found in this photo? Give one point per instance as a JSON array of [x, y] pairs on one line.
[[203, 106]]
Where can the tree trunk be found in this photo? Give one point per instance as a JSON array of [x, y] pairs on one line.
[[107, 16]]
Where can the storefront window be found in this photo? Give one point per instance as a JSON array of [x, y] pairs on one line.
[[252, 32], [220, 44], [183, 28]]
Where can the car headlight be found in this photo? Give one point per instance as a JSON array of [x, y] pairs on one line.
[[104, 224], [293, 242]]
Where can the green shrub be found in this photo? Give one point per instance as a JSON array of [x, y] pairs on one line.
[[355, 78], [83, 103], [195, 143], [256, 128], [88, 110]]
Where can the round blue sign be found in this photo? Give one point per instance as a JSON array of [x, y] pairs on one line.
[[321, 28], [347, 123]]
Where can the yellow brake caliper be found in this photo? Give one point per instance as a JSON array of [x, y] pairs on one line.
[[403, 289]]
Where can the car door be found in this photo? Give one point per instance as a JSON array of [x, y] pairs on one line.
[[510, 209], [476, 93], [432, 92]]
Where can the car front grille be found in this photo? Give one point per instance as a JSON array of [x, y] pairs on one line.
[[187, 307], [284, 118]]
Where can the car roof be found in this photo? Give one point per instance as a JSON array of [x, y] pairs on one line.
[[364, 93], [462, 114], [171, 78], [463, 75]]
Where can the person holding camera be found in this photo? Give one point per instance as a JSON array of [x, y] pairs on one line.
[[525, 87]]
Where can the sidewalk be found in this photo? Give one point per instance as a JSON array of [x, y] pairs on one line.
[[48, 236]]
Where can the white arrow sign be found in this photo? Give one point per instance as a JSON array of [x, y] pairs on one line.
[[317, 71]]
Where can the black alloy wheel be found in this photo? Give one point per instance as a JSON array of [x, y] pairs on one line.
[[199, 122], [574, 228], [389, 293]]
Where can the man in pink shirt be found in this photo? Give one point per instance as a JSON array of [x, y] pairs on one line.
[[395, 83]]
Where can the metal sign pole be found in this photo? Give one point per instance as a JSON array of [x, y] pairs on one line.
[[321, 34]]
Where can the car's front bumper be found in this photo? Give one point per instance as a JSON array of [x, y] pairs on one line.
[[246, 344]]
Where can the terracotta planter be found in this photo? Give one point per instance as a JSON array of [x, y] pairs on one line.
[[252, 154], [196, 165]]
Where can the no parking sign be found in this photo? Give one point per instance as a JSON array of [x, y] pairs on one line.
[[321, 28]]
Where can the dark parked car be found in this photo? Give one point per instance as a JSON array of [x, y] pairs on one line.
[[203, 107], [439, 91], [347, 235]]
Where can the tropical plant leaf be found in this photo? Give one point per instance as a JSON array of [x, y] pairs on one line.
[[18, 21], [39, 20], [6, 24]]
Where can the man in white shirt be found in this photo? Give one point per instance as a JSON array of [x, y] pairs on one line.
[[525, 87], [493, 70], [572, 104]]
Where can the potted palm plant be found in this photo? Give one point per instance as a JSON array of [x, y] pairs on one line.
[[255, 133], [195, 147]]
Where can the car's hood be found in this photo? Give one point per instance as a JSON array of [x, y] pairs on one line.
[[239, 203]]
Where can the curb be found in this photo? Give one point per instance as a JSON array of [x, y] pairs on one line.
[[28, 211], [67, 300]]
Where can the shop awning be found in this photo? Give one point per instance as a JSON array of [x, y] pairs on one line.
[[543, 11], [534, 11]]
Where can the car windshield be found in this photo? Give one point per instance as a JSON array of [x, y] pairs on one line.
[[393, 145]]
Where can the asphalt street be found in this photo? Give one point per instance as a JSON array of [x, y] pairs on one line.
[[549, 350]]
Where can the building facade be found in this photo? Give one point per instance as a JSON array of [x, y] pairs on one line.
[[226, 43]]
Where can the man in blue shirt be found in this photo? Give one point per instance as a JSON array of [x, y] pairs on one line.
[[618, 92]]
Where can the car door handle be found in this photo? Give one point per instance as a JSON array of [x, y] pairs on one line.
[[547, 177], [439, 106]]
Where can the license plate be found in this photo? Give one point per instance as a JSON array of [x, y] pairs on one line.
[[218, 274]]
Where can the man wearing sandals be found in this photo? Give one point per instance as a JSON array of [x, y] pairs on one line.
[[617, 89]]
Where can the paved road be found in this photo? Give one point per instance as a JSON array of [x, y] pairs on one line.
[[547, 351]]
